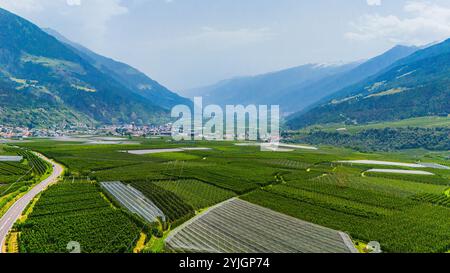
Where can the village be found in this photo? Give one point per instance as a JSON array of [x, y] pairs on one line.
[[130, 130]]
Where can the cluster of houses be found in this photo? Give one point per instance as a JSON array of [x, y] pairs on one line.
[[8, 132]]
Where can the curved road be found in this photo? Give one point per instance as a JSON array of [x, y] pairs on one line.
[[14, 213]]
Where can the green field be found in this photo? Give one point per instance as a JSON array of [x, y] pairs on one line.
[[405, 213], [173, 206], [423, 122], [17, 178], [196, 193], [74, 211]]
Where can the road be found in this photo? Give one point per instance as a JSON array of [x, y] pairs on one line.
[[14, 213]]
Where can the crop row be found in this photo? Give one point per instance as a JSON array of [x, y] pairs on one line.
[[196, 193], [13, 168], [288, 164], [142, 171], [238, 176], [427, 179], [63, 214], [329, 202], [352, 188], [40, 167], [15, 177], [173, 207], [412, 227], [437, 199]]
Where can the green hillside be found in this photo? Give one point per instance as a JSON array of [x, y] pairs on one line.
[[42, 82], [415, 86], [128, 76]]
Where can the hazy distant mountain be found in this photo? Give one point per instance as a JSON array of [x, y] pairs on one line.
[[268, 88], [44, 82], [417, 85], [297, 88], [130, 77], [320, 91]]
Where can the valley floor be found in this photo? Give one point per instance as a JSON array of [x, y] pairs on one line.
[[403, 212]]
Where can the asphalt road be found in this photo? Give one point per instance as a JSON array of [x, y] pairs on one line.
[[14, 213]]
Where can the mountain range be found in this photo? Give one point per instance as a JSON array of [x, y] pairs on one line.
[[271, 88], [128, 76], [414, 86], [297, 88], [46, 82]]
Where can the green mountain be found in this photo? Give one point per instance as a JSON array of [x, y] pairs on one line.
[[322, 90], [415, 86], [130, 77], [44, 82]]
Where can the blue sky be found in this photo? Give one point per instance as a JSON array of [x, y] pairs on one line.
[[190, 43]]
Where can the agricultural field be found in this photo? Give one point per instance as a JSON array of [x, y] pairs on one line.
[[11, 171], [423, 122], [134, 200], [368, 208], [407, 176], [198, 194], [436, 199], [75, 211], [237, 226], [19, 170], [404, 212], [174, 208]]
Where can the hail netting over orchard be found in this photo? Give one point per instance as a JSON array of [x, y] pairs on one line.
[[237, 226], [237, 122]]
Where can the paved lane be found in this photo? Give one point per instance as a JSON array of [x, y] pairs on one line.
[[14, 213]]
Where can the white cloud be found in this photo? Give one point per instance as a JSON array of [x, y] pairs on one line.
[[424, 23], [24, 6], [374, 2], [74, 2], [82, 18]]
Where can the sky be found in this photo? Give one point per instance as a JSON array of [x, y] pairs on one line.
[[191, 43]]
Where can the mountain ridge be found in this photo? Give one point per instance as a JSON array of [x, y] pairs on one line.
[[310, 88], [127, 75], [414, 86], [366, 70], [262, 89], [41, 78]]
